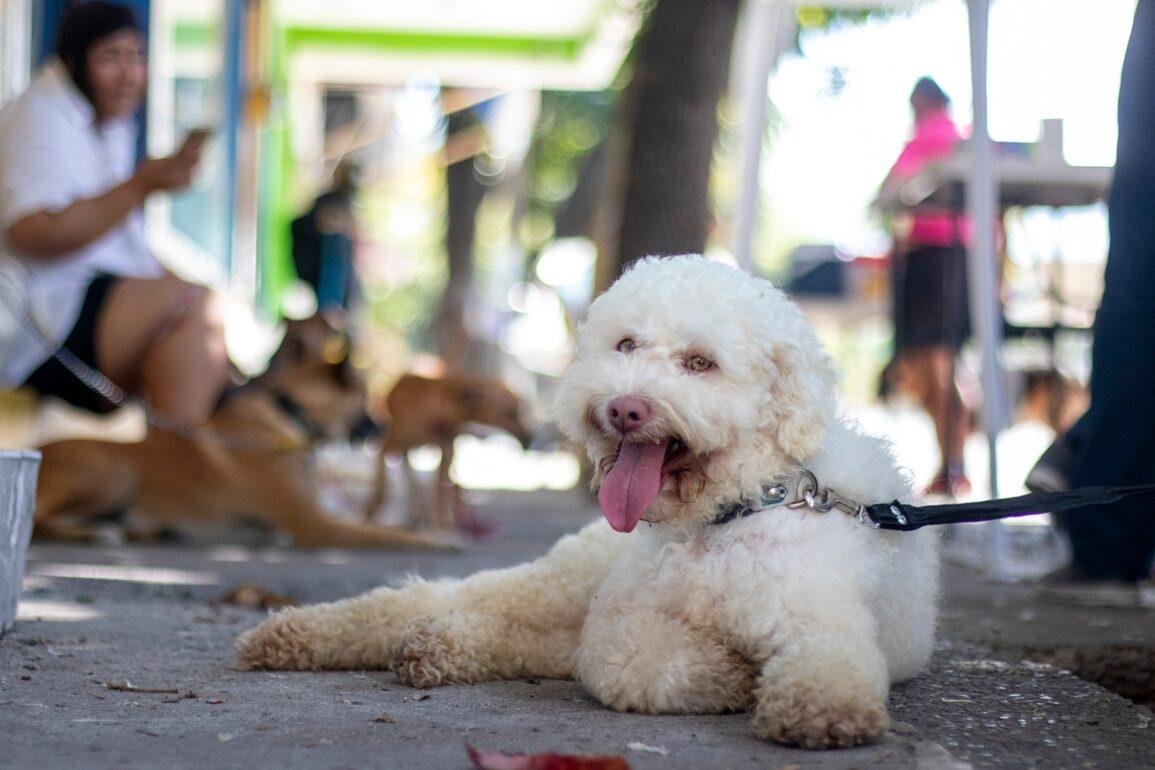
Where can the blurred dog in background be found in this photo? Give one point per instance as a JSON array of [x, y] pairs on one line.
[[1052, 398], [424, 411], [1040, 395], [252, 461]]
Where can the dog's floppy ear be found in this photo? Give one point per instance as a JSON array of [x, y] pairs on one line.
[[802, 397]]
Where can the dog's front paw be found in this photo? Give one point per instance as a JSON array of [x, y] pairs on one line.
[[429, 656], [812, 718], [280, 643]]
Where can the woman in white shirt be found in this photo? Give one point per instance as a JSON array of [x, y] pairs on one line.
[[71, 236]]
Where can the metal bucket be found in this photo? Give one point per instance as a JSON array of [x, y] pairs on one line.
[[18, 470]]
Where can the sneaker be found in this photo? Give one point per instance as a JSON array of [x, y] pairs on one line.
[[1147, 593], [1069, 584], [1054, 469]]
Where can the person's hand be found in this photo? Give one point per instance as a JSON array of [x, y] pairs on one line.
[[174, 172], [47, 233], [191, 149]]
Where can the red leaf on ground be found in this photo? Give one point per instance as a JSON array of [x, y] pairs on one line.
[[495, 760], [256, 597]]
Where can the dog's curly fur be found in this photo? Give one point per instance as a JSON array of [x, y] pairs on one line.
[[806, 617]]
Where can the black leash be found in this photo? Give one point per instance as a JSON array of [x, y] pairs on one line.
[[907, 518], [904, 517]]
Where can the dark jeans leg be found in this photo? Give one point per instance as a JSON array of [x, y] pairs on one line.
[[1115, 440]]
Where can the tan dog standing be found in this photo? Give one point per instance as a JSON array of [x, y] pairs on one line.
[[253, 460], [424, 411]]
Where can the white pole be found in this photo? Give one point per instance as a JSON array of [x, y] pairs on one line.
[[761, 45], [982, 196]]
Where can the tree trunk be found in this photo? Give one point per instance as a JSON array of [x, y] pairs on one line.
[[670, 124], [464, 193]]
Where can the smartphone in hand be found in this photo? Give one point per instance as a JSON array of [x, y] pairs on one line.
[[195, 140]]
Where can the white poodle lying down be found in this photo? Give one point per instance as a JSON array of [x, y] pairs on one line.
[[697, 391]]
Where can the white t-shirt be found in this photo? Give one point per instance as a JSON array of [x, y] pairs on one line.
[[53, 153]]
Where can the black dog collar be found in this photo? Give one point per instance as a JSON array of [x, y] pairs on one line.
[[297, 413], [773, 495]]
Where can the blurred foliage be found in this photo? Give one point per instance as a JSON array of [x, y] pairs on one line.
[[818, 18], [570, 126], [405, 220], [814, 17]]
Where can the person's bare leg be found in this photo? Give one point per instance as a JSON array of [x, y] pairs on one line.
[[162, 339], [945, 406], [910, 378]]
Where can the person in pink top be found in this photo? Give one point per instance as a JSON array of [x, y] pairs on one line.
[[931, 320]]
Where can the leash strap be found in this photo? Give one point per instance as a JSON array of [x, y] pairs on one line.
[[904, 517]]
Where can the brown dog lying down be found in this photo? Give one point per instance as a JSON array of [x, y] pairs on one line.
[[252, 461], [425, 411]]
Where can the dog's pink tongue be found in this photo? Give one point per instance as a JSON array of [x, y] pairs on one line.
[[632, 484]]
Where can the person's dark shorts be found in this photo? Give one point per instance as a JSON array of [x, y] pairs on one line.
[[52, 379], [930, 298]]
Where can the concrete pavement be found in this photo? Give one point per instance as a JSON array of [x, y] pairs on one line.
[[144, 616]]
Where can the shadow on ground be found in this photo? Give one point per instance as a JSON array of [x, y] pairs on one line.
[[144, 617]]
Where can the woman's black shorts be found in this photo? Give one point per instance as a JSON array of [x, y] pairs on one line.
[[930, 298], [52, 379]]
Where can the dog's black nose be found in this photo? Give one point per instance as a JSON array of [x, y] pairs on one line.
[[365, 429]]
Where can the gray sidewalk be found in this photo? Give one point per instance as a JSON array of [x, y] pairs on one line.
[[96, 616]]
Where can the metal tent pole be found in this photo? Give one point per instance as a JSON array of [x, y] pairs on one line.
[[982, 196]]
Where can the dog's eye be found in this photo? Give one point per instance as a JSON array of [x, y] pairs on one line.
[[699, 364], [627, 345]]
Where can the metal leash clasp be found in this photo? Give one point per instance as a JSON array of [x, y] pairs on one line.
[[811, 495]]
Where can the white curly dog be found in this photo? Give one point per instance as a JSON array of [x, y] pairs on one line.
[[700, 395]]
